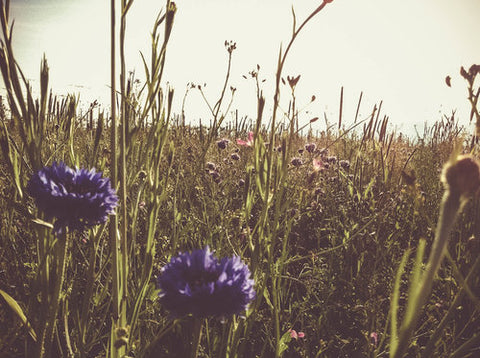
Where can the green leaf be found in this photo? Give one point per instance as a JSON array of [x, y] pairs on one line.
[[283, 344], [15, 307], [394, 307]]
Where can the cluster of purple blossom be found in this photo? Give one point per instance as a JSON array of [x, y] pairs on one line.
[[194, 283], [320, 158]]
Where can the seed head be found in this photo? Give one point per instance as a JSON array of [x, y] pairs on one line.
[[462, 176]]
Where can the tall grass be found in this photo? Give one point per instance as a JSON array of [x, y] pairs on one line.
[[330, 225]]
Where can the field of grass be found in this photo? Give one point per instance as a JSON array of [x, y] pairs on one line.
[[356, 245]]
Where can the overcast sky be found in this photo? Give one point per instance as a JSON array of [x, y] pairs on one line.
[[396, 51]]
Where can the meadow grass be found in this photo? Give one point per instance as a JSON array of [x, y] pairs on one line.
[[334, 225]]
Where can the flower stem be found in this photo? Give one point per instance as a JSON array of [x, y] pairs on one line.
[[60, 255], [196, 337], [449, 210]]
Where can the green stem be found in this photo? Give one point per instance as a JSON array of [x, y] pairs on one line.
[[60, 255], [116, 294], [429, 350], [196, 337], [448, 212], [276, 315]]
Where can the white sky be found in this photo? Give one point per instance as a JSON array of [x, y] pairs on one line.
[[396, 51]]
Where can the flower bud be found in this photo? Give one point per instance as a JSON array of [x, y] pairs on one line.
[[462, 176]]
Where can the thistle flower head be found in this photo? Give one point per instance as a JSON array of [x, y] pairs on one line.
[[310, 147], [222, 143], [296, 162], [235, 156], [344, 164], [75, 198], [198, 283]]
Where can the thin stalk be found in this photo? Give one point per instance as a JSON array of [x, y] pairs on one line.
[[60, 255], [448, 212], [196, 337], [429, 349], [113, 176], [123, 173], [276, 314]]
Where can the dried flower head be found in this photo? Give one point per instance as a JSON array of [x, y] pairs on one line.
[[75, 198], [198, 283], [462, 176]]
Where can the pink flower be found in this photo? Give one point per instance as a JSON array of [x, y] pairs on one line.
[[248, 142], [296, 335], [374, 338], [317, 165]]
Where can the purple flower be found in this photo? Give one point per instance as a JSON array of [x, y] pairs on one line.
[[235, 156], [344, 164], [331, 159], [296, 162], [222, 143], [198, 283], [310, 147], [75, 198], [215, 176], [211, 166]]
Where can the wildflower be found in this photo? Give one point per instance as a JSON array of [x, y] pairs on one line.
[[296, 162], [323, 151], [76, 198], [211, 166], [222, 143], [198, 283], [344, 164], [241, 182], [331, 159], [310, 147], [296, 335], [318, 165], [215, 176], [248, 142], [235, 156], [374, 338]]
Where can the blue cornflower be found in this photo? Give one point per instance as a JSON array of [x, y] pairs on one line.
[[200, 284], [75, 198]]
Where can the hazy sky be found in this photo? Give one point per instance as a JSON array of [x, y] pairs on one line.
[[396, 51]]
